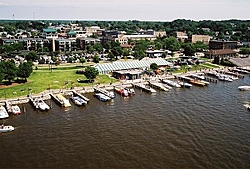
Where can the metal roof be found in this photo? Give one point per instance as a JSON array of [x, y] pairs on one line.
[[135, 64]]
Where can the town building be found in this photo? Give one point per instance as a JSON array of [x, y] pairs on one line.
[[201, 38], [220, 44]]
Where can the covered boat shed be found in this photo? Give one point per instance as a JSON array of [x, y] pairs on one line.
[[128, 65]]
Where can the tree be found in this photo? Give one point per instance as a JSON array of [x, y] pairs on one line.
[[244, 51], [189, 49], [139, 54], [82, 60], [9, 70], [98, 47], [154, 66], [32, 56], [111, 56], [25, 70], [96, 58], [90, 73], [172, 44]]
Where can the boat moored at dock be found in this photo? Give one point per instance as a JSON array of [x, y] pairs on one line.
[[3, 113], [171, 83], [42, 105], [65, 102], [102, 97], [12, 109], [105, 92], [78, 101]]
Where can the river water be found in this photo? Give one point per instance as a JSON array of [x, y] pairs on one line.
[[201, 127]]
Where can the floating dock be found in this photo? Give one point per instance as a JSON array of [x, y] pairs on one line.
[[144, 88], [33, 102], [158, 86]]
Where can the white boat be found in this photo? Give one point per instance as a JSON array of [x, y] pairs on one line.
[[3, 113], [12, 109], [102, 97], [224, 77], [184, 84], [244, 88], [78, 101], [42, 105], [16, 109], [4, 128], [198, 76], [110, 94], [171, 83]]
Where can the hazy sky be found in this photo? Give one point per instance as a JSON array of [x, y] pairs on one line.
[[153, 10]]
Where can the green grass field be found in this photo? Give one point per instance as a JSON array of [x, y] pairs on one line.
[[43, 79]]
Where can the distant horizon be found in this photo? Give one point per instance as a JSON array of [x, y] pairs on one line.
[[90, 20], [111, 10]]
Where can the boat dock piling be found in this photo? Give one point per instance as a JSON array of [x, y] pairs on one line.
[[53, 97], [81, 96]]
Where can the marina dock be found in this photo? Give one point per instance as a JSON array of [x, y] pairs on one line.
[[33, 102], [53, 97], [80, 95], [144, 87]]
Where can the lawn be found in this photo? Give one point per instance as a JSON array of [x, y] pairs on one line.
[[43, 79]]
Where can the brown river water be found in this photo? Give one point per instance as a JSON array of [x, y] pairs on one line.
[[202, 127]]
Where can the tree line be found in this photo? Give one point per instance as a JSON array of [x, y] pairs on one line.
[[9, 71], [238, 30]]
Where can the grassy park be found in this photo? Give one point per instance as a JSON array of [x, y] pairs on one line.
[[43, 79]]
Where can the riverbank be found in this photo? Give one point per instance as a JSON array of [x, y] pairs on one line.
[[45, 95]]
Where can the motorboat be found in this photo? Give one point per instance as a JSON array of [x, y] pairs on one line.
[[185, 84], [122, 91], [110, 94], [131, 91], [223, 77], [3, 113], [171, 83], [78, 100], [65, 102], [16, 109], [12, 109], [7, 128], [197, 82], [244, 88], [198, 76], [42, 105], [102, 97]]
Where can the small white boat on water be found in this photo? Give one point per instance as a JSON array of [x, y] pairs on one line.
[[102, 97], [42, 105], [3, 113], [244, 88], [7, 128]]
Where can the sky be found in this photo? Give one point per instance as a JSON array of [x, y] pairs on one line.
[[143, 10]]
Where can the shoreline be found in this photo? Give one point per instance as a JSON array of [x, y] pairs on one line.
[[45, 95]]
